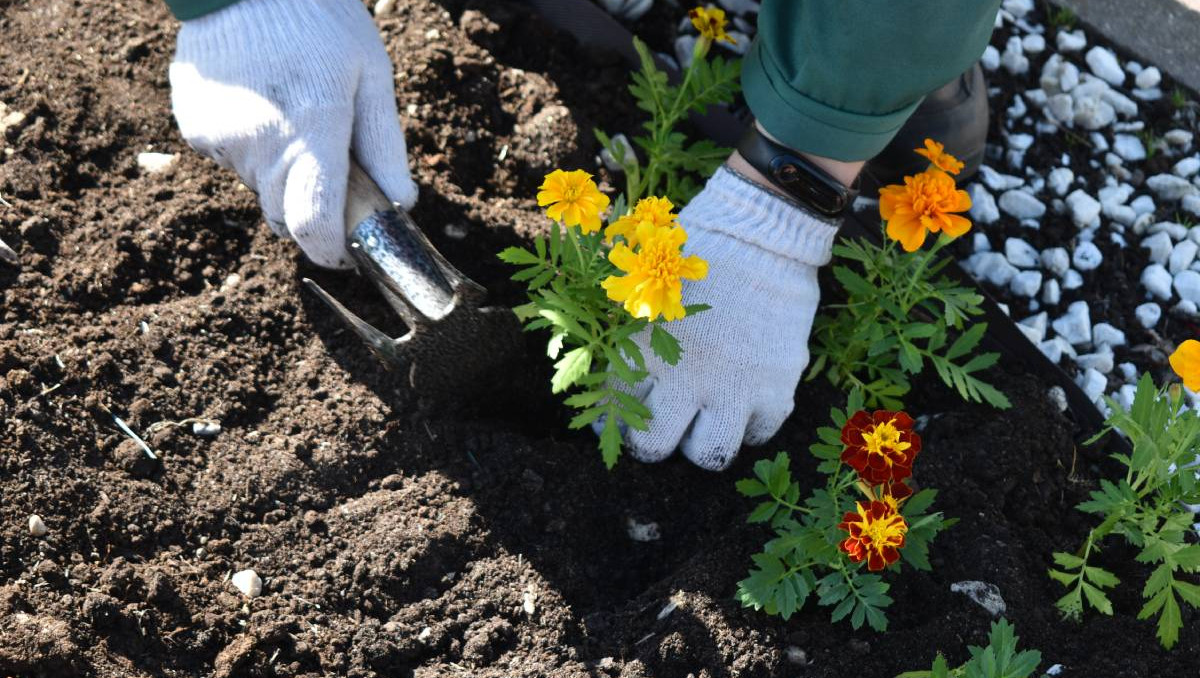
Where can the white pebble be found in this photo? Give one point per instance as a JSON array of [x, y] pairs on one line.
[[1020, 253], [684, 47], [1052, 350], [984, 594], [990, 59], [1187, 286], [1087, 257], [1191, 203], [1072, 280], [1157, 281], [1101, 361], [1092, 114], [1187, 167], [1182, 256], [1128, 371], [1093, 384], [1058, 396], [1076, 324], [1104, 64], [1148, 314], [1173, 230], [1143, 204], [206, 429], [1159, 245], [386, 7], [1026, 283], [152, 163], [1104, 334], [1033, 44], [1059, 180], [37, 527], [1186, 307], [1034, 327], [248, 582], [1071, 41], [1013, 59], [1084, 208], [1056, 260], [1051, 292], [1148, 78], [1178, 137], [1021, 205], [1129, 147], [1125, 396], [1152, 94], [997, 181], [992, 267], [979, 242], [1170, 187], [983, 205]]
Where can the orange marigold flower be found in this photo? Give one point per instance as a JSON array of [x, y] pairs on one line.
[[939, 157], [653, 210], [572, 198], [926, 202], [1186, 363], [880, 446], [876, 534], [710, 23]]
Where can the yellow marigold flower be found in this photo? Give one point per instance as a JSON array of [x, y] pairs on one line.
[[926, 202], [655, 211], [1186, 363], [652, 285], [572, 198], [710, 23], [939, 157]]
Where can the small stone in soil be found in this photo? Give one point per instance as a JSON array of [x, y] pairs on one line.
[[1087, 257], [1182, 256], [979, 242], [1178, 137], [206, 429], [1092, 383], [984, 594], [990, 60], [1056, 260], [1128, 371], [1059, 180], [1020, 253], [1071, 41], [1170, 187], [1075, 325], [1187, 286], [1160, 246], [1101, 361], [1143, 204], [983, 205], [1026, 283], [1051, 292], [248, 582], [1058, 396], [796, 656], [1187, 167], [153, 163], [1072, 280], [1084, 208], [1104, 334], [1129, 147], [1157, 281], [37, 527], [1191, 203], [642, 532], [1034, 327], [1052, 350], [1148, 314], [1148, 78], [1021, 204], [132, 458], [1013, 59]]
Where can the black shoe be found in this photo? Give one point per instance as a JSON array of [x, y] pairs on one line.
[[955, 115]]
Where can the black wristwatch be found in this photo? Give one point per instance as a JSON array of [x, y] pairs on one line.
[[801, 179]]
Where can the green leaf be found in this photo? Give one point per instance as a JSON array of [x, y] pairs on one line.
[[570, 368], [1097, 599], [1188, 591], [750, 487], [610, 443], [584, 399], [965, 343], [665, 345], [1067, 560], [518, 256], [585, 417], [764, 512], [1100, 577], [692, 309], [1169, 622]]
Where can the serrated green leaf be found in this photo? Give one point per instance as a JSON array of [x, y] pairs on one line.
[[1096, 598], [610, 443], [568, 369], [665, 345]]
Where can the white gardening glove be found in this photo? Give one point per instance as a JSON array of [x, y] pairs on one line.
[[281, 91], [742, 358]]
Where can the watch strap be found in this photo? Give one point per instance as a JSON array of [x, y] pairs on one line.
[[795, 175]]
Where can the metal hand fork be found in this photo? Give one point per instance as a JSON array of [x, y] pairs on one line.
[[452, 342]]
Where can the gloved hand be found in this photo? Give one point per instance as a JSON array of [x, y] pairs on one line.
[[281, 91], [743, 357]]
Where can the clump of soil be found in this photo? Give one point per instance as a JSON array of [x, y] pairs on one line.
[[482, 542]]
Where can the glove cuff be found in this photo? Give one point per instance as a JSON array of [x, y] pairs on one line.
[[735, 206]]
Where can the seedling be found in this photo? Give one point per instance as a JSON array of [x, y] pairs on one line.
[[998, 659]]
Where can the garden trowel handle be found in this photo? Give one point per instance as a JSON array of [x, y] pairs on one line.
[[388, 248]]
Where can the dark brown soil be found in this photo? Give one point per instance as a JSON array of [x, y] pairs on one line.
[[486, 542]]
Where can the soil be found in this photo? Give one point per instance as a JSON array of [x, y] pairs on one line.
[[485, 541]]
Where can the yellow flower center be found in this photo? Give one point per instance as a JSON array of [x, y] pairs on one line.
[[885, 531], [660, 261], [884, 440]]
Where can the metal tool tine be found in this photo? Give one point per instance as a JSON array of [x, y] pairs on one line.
[[382, 345]]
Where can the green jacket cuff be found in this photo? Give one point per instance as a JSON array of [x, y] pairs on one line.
[[191, 9], [804, 123]]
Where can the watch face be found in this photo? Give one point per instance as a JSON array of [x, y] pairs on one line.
[[822, 193]]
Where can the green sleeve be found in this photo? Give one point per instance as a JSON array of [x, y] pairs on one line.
[[190, 9], [838, 78]]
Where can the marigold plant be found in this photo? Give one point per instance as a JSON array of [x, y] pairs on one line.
[[674, 167], [860, 518], [1146, 507], [899, 311], [998, 659], [594, 292]]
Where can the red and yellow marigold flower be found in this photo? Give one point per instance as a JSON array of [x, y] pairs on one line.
[[881, 446], [876, 534], [926, 202], [654, 272], [572, 198], [710, 23], [939, 158], [894, 494], [1186, 363], [653, 210]]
